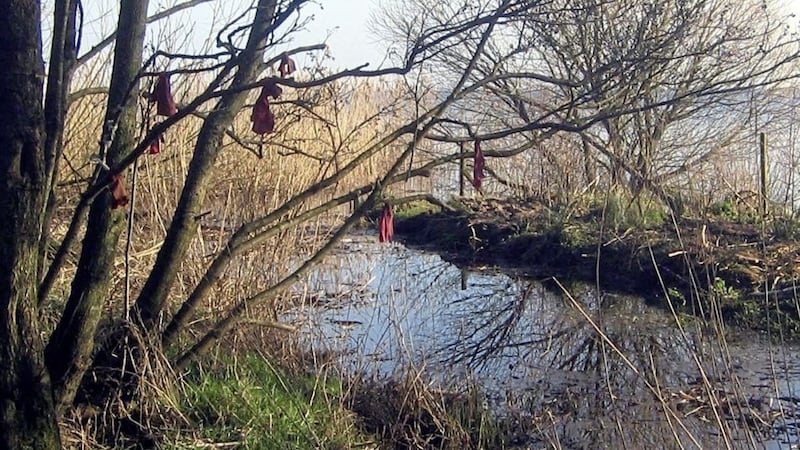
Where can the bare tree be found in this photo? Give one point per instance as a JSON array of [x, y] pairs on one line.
[[511, 73], [244, 60], [27, 419], [670, 65], [627, 77]]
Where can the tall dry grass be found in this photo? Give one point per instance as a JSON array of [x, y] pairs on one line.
[[318, 131]]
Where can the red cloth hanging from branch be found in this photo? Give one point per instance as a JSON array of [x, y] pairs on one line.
[[155, 146], [165, 106], [286, 66], [119, 196], [386, 224], [262, 117], [479, 164], [162, 95]]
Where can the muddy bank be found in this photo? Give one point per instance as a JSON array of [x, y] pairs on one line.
[[694, 263]]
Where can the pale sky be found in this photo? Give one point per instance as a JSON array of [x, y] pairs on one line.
[[350, 41], [342, 23], [793, 6]]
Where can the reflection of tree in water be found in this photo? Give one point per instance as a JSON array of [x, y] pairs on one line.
[[532, 351], [552, 366]]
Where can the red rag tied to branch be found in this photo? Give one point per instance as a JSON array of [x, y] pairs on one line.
[[479, 164], [119, 196], [287, 66], [162, 94], [165, 106], [386, 224], [262, 117], [155, 146]]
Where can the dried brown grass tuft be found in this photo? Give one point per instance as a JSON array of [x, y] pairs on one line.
[[412, 413], [129, 400]]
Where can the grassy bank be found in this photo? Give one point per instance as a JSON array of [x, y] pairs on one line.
[[246, 400]]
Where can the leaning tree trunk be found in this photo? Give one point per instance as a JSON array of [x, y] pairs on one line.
[[182, 230], [71, 345], [27, 415]]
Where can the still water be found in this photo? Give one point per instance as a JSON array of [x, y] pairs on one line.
[[581, 369]]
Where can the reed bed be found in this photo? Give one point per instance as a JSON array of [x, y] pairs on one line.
[[318, 131]]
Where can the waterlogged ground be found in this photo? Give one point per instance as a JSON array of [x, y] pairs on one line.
[[576, 369]]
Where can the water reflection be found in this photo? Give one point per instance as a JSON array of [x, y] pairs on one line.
[[583, 370]]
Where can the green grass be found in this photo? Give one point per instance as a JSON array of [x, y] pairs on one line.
[[250, 401], [411, 209]]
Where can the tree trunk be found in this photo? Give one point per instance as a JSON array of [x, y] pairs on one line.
[[71, 345], [589, 165], [27, 415], [209, 143], [63, 54]]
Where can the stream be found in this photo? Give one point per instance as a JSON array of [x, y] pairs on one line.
[[582, 370]]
